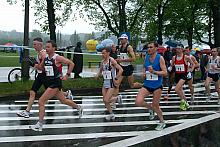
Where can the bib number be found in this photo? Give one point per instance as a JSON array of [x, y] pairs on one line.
[[49, 71], [180, 67], [151, 76], [107, 75]]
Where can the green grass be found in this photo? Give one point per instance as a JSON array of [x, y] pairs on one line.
[[20, 87], [12, 59]]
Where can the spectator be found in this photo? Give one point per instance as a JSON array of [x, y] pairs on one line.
[[78, 60]]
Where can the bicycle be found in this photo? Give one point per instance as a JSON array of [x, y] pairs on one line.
[[15, 74]]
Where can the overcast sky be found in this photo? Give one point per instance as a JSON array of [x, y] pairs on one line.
[[12, 18]]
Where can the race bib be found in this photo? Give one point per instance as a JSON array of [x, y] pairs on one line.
[[49, 71], [180, 67], [107, 75], [151, 76], [124, 56]]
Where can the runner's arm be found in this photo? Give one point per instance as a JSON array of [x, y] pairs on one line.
[[118, 67], [61, 59], [188, 59], [163, 71]]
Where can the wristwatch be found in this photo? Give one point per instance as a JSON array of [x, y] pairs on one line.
[[68, 74]]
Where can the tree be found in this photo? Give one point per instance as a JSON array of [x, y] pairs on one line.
[[118, 16], [215, 7]]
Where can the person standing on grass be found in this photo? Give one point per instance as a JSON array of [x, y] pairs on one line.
[[111, 83], [154, 70], [52, 66], [78, 60]]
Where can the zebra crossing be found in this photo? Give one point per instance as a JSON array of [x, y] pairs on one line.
[[131, 126]]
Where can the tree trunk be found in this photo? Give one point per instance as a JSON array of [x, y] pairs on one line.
[[160, 26], [25, 66], [215, 6], [51, 19], [190, 37]]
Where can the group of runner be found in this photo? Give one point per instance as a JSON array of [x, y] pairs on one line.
[[113, 69]]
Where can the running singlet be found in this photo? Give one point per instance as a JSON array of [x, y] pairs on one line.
[[180, 65], [108, 74], [153, 80], [124, 55], [52, 71], [213, 62]]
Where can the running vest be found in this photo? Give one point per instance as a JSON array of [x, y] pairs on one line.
[[107, 71], [180, 66], [52, 71], [124, 55], [39, 59], [152, 80], [213, 62]]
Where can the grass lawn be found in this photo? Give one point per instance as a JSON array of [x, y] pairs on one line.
[[24, 87], [12, 59]]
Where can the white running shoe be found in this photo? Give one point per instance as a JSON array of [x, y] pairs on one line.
[[24, 114], [152, 114], [160, 126], [80, 111], [37, 127], [209, 98], [69, 95], [110, 117], [119, 99]]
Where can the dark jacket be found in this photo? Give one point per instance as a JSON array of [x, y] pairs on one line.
[[78, 59]]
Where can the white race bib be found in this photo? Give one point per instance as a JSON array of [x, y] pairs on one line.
[[151, 76], [49, 71], [180, 67], [107, 75], [124, 56]]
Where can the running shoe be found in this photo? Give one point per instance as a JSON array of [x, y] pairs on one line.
[[24, 114], [209, 98], [186, 105], [69, 95], [182, 105], [160, 126], [192, 99], [152, 114], [113, 105], [119, 99], [80, 111], [110, 117], [37, 127]]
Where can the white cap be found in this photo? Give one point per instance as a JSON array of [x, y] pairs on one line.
[[123, 36]]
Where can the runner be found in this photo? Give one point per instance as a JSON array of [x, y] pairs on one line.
[[190, 80], [213, 70], [40, 79], [51, 65], [182, 73], [126, 57], [154, 70], [111, 83]]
